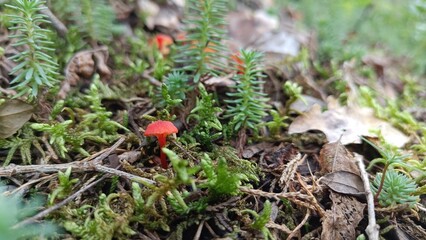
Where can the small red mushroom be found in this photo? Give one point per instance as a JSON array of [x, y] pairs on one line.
[[162, 41], [161, 129]]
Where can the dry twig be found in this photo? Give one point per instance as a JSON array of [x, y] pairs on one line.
[[280, 227], [319, 209], [372, 229], [296, 229], [56, 23], [79, 166], [57, 206], [295, 197]]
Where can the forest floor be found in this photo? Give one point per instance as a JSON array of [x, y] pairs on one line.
[[331, 143]]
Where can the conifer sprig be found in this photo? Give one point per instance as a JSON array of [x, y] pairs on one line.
[[36, 67], [248, 104], [202, 49]]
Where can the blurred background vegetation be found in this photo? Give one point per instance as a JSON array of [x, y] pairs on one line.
[[347, 29]]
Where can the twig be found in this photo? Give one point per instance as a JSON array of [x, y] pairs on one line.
[[49, 148], [56, 23], [145, 181], [27, 184], [319, 209], [152, 80], [210, 229], [80, 166], [184, 150], [44, 168], [283, 228], [294, 197], [57, 206], [295, 230], [373, 228], [109, 151], [199, 230]]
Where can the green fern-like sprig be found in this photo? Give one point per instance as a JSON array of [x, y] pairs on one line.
[[208, 127], [248, 104], [36, 67], [222, 181], [98, 121], [65, 185], [23, 141], [200, 52], [261, 219]]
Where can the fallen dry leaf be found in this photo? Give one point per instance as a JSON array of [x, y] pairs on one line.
[[262, 31], [346, 124], [344, 182], [223, 81], [340, 221], [283, 155], [14, 114], [160, 15], [335, 157], [82, 66], [254, 149], [303, 106]]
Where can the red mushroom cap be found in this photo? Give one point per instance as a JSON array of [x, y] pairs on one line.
[[160, 128], [163, 41]]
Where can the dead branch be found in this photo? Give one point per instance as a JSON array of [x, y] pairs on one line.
[[301, 224], [57, 206], [319, 209], [283, 228], [373, 228], [295, 197], [94, 165], [56, 23]]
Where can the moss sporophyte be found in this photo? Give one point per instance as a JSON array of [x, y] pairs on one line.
[[161, 129]]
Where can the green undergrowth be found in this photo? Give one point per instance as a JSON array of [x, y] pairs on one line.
[[207, 171], [157, 207]]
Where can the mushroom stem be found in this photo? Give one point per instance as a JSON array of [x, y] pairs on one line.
[[162, 143], [163, 159]]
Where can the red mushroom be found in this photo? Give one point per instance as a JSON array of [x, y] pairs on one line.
[[161, 129], [163, 41]]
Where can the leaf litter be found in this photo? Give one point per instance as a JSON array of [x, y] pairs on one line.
[[346, 124], [328, 200]]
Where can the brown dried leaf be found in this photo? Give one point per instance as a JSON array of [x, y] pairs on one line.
[[254, 149], [307, 103], [344, 182], [340, 222], [160, 15], [261, 31], [347, 123], [335, 157], [224, 81], [82, 66], [129, 156], [284, 154], [14, 114], [101, 67]]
